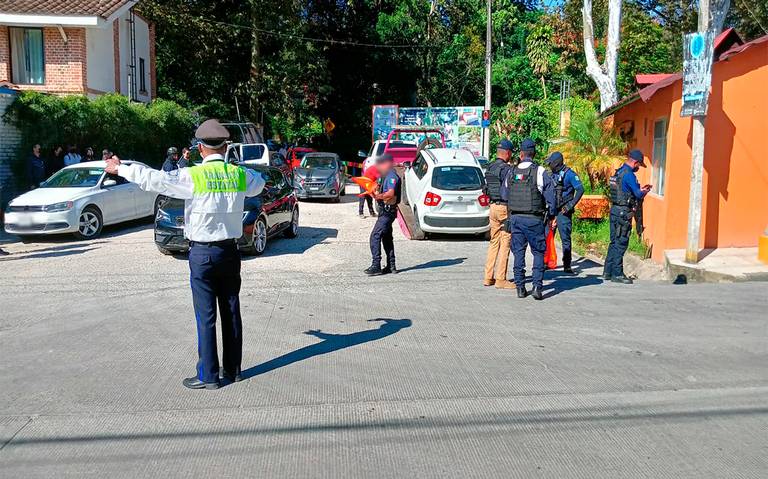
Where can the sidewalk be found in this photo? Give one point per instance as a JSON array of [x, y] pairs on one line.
[[719, 265]]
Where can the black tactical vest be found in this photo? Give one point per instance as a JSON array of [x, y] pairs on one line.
[[619, 197], [562, 199], [524, 194], [493, 179]]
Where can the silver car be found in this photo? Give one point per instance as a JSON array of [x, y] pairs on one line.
[[320, 175]]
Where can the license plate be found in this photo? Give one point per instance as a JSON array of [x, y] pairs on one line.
[[25, 220], [459, 206]]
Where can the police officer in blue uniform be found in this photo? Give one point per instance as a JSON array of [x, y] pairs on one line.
[[568, 192], [531, 202], [625, 194], [387, 197], [214, 196]]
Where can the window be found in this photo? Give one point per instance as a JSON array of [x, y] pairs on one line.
[[27, 58], [142, 76], [420, 167], [659, 159]]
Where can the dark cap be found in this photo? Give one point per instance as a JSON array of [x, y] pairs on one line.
[[172, 151], [555, 158], [505, 145], [527, 145], [638, 156], [386, 158], [212, 134]]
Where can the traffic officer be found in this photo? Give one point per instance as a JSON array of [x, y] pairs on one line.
[[530, 201], [498, 249], [625, 194], [213, 195], [387, 197], [568, 192]]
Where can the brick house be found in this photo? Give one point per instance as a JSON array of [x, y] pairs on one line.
[[77, 46], [87, 47]]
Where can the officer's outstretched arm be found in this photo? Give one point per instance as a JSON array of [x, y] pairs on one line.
[[176, 183], [254, 183]]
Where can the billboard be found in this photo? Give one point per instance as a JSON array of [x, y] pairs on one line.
[[462, 124], [697, 72]]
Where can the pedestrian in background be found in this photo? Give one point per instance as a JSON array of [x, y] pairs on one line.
[[568, 192], [184, 160], [72, 157], [496, 262], [35, 168], [530, 203], [89, 154], [106, 154], [372, 173], [214, 195], [56, 161], [625, 194], [387, 197]]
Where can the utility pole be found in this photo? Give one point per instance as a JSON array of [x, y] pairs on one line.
[[488, 34]]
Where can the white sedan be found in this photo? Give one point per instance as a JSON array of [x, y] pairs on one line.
[[80, 199]]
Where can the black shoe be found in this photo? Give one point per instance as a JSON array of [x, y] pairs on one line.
[[622, 279], [374, 270], [4, 253], [522, 292], [194, 383], [233, 378], [389, 269], [606, 277], [567, 269], [361, 215], [537, 294], [372, 214]]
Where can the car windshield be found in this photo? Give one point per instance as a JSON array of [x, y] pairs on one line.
[[74, 178], [252, 152], [319, 162], [457, 178]]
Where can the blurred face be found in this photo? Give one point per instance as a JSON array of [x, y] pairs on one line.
[[384, 167], [634, 165], [36, 150], [185, 153], [105, 154]]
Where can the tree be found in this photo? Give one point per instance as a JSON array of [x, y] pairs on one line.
[[604, 75], [539, 50]]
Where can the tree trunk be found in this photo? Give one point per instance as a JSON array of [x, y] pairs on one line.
[[603, 75], [253, 96]]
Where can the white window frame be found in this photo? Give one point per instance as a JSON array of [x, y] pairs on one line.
[[659, 164]]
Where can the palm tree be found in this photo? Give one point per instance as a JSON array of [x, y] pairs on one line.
[[538, 49], [594, 148]]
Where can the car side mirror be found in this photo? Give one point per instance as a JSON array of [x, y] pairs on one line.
[[362, 154], [108, 183], [407, 164]]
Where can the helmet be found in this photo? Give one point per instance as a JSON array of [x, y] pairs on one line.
[[172, 151]]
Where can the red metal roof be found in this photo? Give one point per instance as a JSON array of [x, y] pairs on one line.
[[645, 79], [101, 8]]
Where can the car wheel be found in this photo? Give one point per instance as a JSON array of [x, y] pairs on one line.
[[416, 232], [90, 223], [165, 251], [293, 229], [259, 237]]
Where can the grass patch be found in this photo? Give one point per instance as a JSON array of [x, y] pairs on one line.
[[593, 236]]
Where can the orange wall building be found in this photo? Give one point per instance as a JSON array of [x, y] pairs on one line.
[[735, 187]]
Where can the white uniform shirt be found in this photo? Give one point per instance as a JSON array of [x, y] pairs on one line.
[[208, 217], [524, 165], [72, 159]]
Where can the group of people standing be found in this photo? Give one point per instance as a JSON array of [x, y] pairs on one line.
[[527, 201], [40, 168]]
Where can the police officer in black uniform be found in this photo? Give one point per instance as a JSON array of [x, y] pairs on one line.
[[625, 194], [530, 201], [387, 197], [568, 192]]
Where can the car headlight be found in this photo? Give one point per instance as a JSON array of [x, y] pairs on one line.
[[63, 206]]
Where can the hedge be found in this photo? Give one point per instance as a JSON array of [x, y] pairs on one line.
[[135, 131]]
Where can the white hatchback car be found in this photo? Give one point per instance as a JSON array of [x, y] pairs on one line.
[[444, 187], [79, 199]]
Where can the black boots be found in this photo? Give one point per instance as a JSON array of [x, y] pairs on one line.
[[390, 268], [374, 270], [522, 292], [622, 279], [537, 294]]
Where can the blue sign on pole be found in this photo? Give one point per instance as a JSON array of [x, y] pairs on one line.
[[697, 72]]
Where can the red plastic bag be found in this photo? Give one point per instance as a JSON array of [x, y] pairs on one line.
[[550, 255]]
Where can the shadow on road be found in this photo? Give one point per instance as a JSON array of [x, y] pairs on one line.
[[50, 254], [563, 281], [437, 263], [309, 236], [330, 343]]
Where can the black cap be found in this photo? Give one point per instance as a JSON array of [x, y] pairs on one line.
[[385, 158], [638, 156], [212, 134], [554, 158], [528, 145], [505, 145]]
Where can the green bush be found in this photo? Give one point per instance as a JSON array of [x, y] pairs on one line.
[[134, 131], [594, 236]]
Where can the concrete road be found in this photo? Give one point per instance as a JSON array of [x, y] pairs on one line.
[[424, 374]]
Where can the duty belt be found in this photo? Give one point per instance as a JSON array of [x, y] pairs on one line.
[[222, 243]]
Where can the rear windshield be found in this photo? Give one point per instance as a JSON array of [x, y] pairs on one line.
[[457, 178]]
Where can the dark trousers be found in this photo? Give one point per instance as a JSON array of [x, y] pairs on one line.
[[215, 278], [621, 228], [564, 228], [382, 235], [528, 230], [365, 199]]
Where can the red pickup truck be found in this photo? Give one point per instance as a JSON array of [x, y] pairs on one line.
[[406, 151]]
